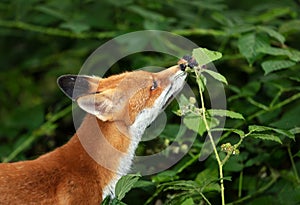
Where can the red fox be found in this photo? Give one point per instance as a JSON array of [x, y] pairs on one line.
[[121, 107]]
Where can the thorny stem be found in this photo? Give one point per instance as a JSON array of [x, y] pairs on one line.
[[212, 142]]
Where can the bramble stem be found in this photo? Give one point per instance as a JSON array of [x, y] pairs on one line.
[[274, 175], [97, 35], [212, 142], [293, 164]]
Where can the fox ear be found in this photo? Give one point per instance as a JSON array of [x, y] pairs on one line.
[[75, 86], [100, 104]]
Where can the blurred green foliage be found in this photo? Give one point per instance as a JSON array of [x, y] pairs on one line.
[[40, 40]]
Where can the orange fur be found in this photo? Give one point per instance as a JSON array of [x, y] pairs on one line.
[[70, 174]]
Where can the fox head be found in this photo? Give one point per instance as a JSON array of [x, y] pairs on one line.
[[136, 98]]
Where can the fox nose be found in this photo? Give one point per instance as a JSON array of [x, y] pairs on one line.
[[182, 66]]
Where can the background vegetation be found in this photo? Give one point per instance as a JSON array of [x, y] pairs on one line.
[[40, 40]]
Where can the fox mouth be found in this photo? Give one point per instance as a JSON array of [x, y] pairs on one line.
[[170, 98], [172, 92], [168, 101]]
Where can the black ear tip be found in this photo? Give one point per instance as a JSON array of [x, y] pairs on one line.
[[66, 84]]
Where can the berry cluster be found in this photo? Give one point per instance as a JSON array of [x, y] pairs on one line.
[[187, 61]]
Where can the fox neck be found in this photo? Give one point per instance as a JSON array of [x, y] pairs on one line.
[[111, 147]]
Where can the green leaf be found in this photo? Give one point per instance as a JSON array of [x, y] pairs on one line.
[[216, 76], [273, 13], [188, 201], [234, 165], [184, 185], [271, 32], [143, 184], [125, 184], [289, 27], [274, 51], [266, 137], [165, 176], [258, 128], [294, 55], [194, 122], [295, 130], [238, 29], [249, 44], [238, 132], [227, 113], [106, 201], [289, 119], [274, 65], [250, 89], [208, 180], [116, 201], [204, 56], [297, 154]]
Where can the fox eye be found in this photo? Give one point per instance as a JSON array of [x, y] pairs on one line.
[[154, 85]]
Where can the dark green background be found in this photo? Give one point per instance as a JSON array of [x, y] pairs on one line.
[[41, 40]]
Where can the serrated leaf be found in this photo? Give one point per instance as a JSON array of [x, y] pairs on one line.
[[274, 65], [143, 184], [273, 13], [238, 29], [165, 176], [208, 180], [295, 130], [258, 128], [238, 132], [274, 51], [250, 89], [271, 32], [183, 185], [294, 55], [125, 184], [216, 76], [249, 44], [227, 113], [204, 56], [289, 27], [195, 123], [266, 137]]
